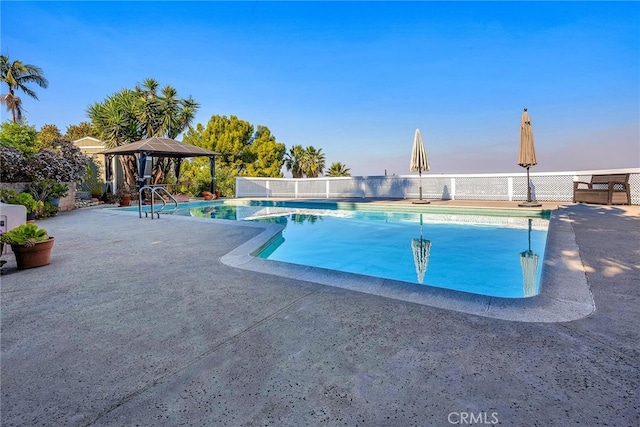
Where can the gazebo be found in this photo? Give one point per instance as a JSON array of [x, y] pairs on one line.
[[158, 147]]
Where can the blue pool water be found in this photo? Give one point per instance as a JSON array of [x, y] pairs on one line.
[[487, 255]]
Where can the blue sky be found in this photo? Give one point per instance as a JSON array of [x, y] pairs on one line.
[[357, 78]]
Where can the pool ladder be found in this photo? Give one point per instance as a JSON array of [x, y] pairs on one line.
[[157, 190]]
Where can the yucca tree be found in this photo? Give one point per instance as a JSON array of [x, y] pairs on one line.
[[17, 76], [294, 159], [116, 123], [163, 116], [338, 169], [131, 115]]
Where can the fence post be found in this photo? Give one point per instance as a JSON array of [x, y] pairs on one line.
[[510, 188], [453, 188]]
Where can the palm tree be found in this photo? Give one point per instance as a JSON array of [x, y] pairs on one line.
[[293, 161], [338, 169], [16, 76], [313, 162]]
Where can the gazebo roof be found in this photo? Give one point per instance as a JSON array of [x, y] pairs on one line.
[[161, 147]]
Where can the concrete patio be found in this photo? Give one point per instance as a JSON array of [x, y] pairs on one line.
[[138, 322]]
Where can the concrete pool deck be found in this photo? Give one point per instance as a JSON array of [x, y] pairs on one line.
[[138, 322]]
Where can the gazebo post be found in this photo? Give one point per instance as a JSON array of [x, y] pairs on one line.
[[212, 165]]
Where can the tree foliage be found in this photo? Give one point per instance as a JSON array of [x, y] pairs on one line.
[[21, 136], [243, 152], [232, 138], [81, 130], [267, 155], [48, 135], [195, 176], [17, 76]]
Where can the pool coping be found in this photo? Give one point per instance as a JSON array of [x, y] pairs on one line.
[[405, 207], [565, 293]]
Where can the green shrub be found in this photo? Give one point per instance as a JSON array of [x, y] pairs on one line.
[[25, 199], [91, 181], [48, 210]]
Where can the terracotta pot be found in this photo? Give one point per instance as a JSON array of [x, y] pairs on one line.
[[125, 200], [35, 256]]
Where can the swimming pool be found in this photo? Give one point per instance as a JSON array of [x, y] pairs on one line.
[[491, 255]]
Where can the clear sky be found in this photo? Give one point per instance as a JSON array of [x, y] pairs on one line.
[[357, 78]]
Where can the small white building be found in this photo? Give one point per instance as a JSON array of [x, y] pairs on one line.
[[91, 146]]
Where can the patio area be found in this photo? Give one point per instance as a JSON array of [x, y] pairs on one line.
[[138, 322]]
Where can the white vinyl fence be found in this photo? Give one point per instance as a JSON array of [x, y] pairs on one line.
[[545, 186]]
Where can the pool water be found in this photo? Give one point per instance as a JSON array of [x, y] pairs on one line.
[[488, 255], [483, 259]]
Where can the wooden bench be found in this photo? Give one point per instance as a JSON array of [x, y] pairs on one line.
[[603, 189]]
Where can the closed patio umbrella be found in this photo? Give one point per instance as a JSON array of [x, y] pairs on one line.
[[527, 154], [419, 160], [108, 177]]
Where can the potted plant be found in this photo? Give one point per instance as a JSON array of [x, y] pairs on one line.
[[31, 245], [48, 190], [25, 199], [58, 191], [124, 195]]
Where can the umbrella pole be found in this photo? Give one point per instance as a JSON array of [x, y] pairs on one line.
[[529, 203], [420, 201], [528, 186]]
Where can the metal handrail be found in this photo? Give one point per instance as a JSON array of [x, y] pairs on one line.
[[155, 191]]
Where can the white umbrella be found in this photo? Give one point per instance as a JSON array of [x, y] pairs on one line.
[[419, 160], [421, 249], [529, 263]]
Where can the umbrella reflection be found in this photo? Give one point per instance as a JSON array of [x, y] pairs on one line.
[[421, 249], [529, 262]]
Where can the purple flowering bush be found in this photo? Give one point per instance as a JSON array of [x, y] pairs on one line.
[[62, 162]]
